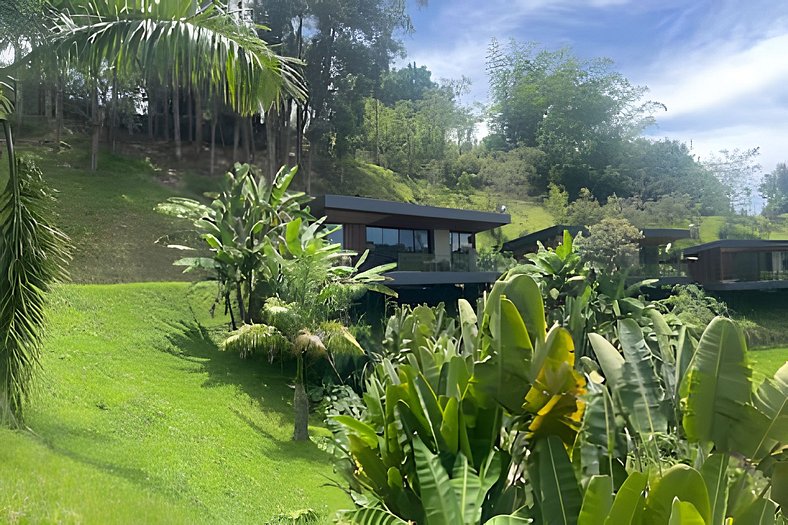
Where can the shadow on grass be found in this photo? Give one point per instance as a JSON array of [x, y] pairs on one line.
[[266, 384]]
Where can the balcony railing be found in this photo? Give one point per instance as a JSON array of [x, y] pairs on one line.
[[427, 262]]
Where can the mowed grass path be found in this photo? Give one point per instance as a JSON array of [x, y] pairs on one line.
[[139, 418]]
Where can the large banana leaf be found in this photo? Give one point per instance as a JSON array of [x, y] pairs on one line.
[[715, 475], [629, 502], [504, 374], [718, 385], [555, 485], [555, 397], [601, 435], [597, 501], [641, 393], [682, 482], [685, 513], [441, 505], [766, 423], [760, 512], [524, 293]]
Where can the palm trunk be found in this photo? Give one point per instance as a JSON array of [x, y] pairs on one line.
[[214, 121], [241, 305], [165, 105], [198, 123], [59, 111], [113, 124], [236, 137], [96, 125], [190, 113], [176, 118], [19, 99], [270, 131], [250, 157], [300, 404]]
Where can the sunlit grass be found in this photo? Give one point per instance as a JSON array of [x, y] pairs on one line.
[[141, 419]]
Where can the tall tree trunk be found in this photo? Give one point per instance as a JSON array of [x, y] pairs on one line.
[[198, 122], [151, 108], [284, 133], [19, 99], [299, 147], [113, 123], [300, 405], [236, 137], [251, 145], [309, 169], [190, 111], [377, 132], [270, 132], [59, 111], [96, 125], [176, 118], [49, 90], [166, 110], [214, 120]]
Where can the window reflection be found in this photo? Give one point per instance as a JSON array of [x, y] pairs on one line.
[[397, 240]]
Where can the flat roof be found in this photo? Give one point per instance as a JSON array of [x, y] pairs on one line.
[[742, 244], [541, 235], [649, 234], [345, 209]]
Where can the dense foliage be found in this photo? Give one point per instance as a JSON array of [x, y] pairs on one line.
[[292, 287], [493, 420]]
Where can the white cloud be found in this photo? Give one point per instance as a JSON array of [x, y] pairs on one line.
[[712, 82]]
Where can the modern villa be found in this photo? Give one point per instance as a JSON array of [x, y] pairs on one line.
[[733, 265], [432, 246], [654, 262]]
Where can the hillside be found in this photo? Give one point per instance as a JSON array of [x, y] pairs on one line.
[[139, 418], [110, 214]]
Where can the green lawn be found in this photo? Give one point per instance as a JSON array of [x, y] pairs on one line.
[[109, 215], [139, 418], [767, 361]]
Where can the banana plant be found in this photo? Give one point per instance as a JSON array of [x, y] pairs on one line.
[[242, 228], [455, 401]]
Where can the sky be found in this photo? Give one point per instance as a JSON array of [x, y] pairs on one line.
[[719, 66]]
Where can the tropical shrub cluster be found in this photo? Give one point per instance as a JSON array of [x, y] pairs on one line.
[[490, 418], [274, 264]]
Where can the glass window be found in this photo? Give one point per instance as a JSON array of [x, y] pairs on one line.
[[461, 241], [406, 240], [399, 239], [374, 235], [421, 241], [390, 237]]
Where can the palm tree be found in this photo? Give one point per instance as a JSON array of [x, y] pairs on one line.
[[180, 43], [33, 256]]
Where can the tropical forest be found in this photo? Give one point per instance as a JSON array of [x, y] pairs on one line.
[[393, 262]]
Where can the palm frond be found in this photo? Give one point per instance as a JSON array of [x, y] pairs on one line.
[[33, 256], [200, 46], [253, 339]]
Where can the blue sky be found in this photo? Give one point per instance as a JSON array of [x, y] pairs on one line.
[[720, 66]]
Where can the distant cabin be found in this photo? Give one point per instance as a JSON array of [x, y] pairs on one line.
[[434, 248]]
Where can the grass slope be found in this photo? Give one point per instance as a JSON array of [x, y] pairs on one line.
[[140, 419], [109, 215]]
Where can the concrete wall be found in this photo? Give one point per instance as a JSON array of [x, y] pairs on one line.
[[442, 246]]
